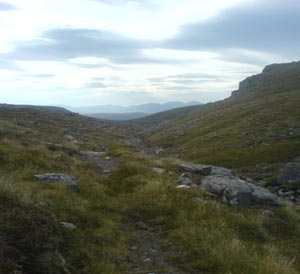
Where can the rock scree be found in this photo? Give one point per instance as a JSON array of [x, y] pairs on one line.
[[57, 177]]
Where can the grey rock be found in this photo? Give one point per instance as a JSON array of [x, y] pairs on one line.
[[235, 191], [69, 226], [159, 170], [183, 187], [232, 191], [92, 153], [200, 200], [268, 213], [70, 138], [221, 171], [147, 260], [196, 168], [263, 196], [185, 179], [205, 169], [285, 193], [57, 177], [290, 175]]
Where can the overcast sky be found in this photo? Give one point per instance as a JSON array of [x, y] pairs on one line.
[[91, 52]]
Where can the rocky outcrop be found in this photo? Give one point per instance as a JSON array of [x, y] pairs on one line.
[[205, 169], [235, 191], [57, 177], [263, 196], [228, 187], [185, 178], [230, 190], [249, 82]]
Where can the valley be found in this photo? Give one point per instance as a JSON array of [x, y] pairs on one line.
[[209, 189]]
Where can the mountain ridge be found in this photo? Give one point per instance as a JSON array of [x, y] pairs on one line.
[[148, 108]]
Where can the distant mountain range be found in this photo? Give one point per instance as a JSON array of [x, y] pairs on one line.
[[115, 112], [118, 116]]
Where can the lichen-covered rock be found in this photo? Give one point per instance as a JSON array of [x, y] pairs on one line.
[[195, 168], [233, 191], [183, 187], [185, 178], [205, 169], [57, 177], [159, 170], [263, 196], [68, 226], [268, 213]]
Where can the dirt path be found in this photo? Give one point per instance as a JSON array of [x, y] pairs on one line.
[[106, 164], [146, 252]]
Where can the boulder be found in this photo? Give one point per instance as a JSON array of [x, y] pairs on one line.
[[205, 169], [183, 187], [216, 170], [68, 226], [57, 177], [263, 196], [185, 179], [268, 213], [195, 168], [230, 190], [235, 191], [158, 170]]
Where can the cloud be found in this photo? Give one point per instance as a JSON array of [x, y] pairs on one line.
[[8, 65], [94, 85], [179, 88], [65, 44], [6, 6], [41, 75], [118, 2], [263, 26], [187, 79], [193, 76]]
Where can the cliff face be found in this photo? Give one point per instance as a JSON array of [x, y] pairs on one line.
[[275, 77]]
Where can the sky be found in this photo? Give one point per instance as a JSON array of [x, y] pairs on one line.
[[124, 52]]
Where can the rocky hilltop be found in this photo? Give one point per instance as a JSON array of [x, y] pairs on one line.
[[274, 78]]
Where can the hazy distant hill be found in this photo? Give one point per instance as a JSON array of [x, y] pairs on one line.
[[118, 116], [149, 108]]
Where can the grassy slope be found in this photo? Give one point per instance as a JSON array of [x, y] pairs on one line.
[[255, 126], [105, 210]]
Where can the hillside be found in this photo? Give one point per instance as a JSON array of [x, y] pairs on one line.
[[80, 195], [258, 124], [153, 121]]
